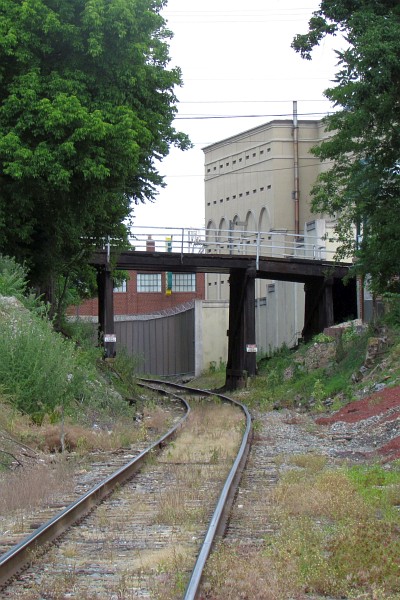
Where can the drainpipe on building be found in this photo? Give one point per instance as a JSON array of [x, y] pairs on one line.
[[296, 170]]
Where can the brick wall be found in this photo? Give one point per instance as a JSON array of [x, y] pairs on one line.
[[132, 302]]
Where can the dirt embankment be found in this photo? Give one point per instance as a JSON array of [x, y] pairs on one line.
[[375, 419]]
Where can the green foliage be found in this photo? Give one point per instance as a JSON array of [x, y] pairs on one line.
[[38, 368], [335, 535], [14, 282], [84, 335], [41, 372], [87, 104], [13, 278], [392, 316], [380, 487], [362, 188], [322, 338]]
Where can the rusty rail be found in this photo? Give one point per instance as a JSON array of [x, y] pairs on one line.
[[219, 518], [21, 554]]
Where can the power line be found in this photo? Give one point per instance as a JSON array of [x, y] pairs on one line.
[[248, 79], [239, 11], [246, 101], [202, 117]]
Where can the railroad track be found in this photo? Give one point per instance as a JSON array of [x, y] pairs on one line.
[[147, 533]]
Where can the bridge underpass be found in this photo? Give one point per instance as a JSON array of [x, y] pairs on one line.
[[326, 299]]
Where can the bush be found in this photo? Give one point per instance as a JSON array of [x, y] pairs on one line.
[[38, 368], [392, 302], [13, 278], [14, 283]]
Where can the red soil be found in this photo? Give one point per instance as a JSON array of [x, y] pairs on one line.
[[376, 404]]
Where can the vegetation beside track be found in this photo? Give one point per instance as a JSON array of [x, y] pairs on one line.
[[349, 547], [336, 524], [55, 389]]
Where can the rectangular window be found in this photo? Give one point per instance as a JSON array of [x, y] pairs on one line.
[[183, 282], [149, 282], [120, 288]]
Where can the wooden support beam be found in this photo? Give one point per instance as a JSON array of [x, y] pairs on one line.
[[242, 329], [250, 364], [105, 287], [318, 307]]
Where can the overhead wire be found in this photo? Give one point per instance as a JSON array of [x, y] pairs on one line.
[[201, 117], [247, 101]]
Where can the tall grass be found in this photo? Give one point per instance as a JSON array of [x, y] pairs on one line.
[[38, 369], [41, 372]]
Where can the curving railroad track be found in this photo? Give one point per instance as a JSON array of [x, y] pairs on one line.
[[147, 529]]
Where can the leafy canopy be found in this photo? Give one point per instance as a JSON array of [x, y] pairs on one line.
[[86, 110], [363, 186]]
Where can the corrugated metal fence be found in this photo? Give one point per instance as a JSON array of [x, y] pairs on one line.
[[163, 345]]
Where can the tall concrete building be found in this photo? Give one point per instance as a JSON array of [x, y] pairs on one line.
[[260, 181]]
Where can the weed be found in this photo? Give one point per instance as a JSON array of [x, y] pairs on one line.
[[215, 455], [20, 493], [311, 462], [322, 338]]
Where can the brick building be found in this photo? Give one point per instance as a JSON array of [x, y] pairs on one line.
[[147, 293]]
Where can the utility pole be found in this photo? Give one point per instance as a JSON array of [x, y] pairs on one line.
[[296, 192]]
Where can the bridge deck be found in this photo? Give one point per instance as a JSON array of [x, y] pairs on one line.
[[284, 269]]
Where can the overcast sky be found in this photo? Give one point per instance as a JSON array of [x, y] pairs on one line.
[[236, 60]]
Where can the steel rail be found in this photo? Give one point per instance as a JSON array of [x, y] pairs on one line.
[[219, 518], [20, 555]]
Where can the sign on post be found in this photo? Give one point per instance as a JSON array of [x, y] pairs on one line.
[[110, 338], [251, 347]]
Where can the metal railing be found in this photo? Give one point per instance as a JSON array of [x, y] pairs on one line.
[[230, 241]]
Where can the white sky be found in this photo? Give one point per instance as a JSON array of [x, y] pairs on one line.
[[236, 60]]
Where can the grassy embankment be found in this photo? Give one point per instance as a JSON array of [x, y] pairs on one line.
[[337, 526], [57, 393]]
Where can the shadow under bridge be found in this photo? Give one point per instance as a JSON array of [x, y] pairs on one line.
[[323, 280]]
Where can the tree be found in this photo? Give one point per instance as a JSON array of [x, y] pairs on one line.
[[363, 186], [86, 110]]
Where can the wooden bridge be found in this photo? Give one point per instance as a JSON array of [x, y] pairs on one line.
[[245, 256]]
